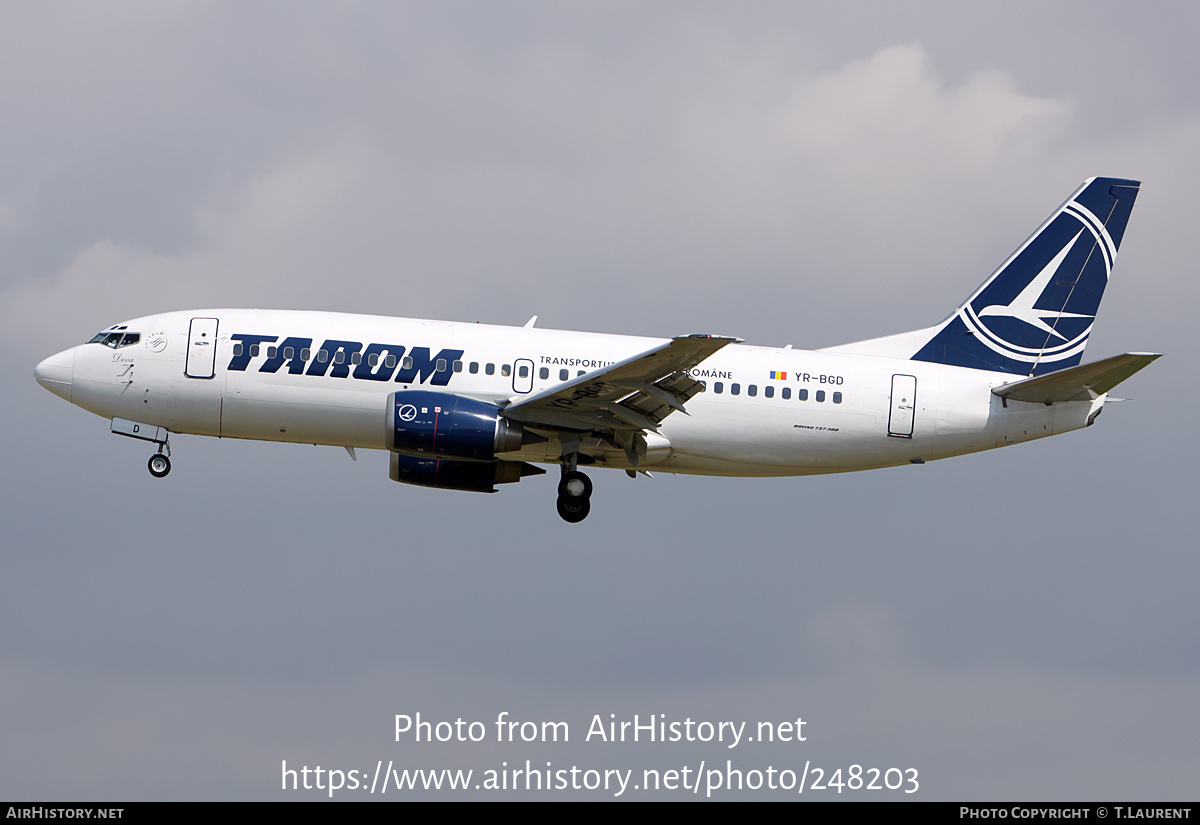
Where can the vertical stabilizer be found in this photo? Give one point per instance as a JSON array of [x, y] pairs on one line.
[[1035, 313]]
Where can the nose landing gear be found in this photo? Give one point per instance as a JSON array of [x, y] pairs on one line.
[[159, 465]]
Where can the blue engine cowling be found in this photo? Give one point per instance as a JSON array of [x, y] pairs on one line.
[[472, 476], [443, 425]]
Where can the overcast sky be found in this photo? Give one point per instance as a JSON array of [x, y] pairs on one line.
[[1018, 624]]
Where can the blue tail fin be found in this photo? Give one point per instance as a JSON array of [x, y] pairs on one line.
[[1034, 315]]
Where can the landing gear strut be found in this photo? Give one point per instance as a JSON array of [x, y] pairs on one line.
[[574, 491]]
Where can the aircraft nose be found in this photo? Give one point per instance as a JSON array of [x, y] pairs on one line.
[[56, 373]]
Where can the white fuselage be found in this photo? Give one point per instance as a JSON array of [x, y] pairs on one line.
[[764, 412]]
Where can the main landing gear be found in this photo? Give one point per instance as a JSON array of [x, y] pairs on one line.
[[574, 496], [574, 491]]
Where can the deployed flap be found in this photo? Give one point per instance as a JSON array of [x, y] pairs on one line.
[[637, 393], [1083, 383]]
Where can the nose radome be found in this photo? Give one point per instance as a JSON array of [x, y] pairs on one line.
[[56, 373]]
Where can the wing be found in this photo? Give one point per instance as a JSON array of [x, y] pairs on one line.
[[622, 400]]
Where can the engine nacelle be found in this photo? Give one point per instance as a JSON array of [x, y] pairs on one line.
[[443, 425], [473, 476]]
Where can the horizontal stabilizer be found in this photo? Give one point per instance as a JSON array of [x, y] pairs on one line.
[[1082, 383]]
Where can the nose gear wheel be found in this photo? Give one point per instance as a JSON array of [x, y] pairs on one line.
[[159, 465]]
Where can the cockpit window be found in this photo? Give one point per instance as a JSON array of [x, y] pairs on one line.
[[116, 339]]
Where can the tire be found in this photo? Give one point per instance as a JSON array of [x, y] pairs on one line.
[[574, 511], [575, 486], [159, 465]]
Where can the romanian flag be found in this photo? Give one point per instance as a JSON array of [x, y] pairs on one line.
[[778, 376]]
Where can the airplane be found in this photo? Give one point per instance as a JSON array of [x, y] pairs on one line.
[[465, 406]]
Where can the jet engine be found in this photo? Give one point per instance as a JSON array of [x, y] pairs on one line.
[[443, 425], [448, 441]]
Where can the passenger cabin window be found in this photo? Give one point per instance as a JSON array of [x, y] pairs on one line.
[[769, 391], [752, 390], [563, 375], [786, 393], [458, 366], [290, 353], [322, 356], [440, 366], [820, 395], [802, 395], [305, 354], [490, 369], [474, 367], [405, 364], [390, 362], [735, 389], [523, 371], [718, 387], [837, 398], [543, 373], [505, 370]]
